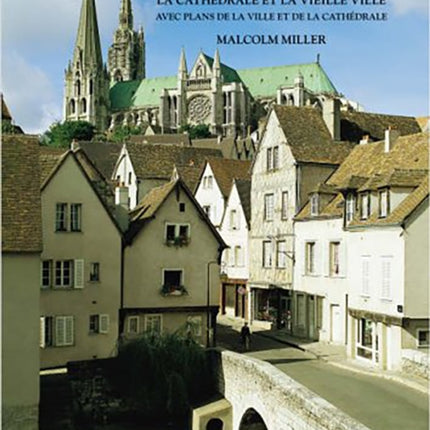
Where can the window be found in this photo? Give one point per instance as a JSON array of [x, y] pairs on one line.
[[267, 254], [63, 273], [310, 257], [314, 205], [46, 331], [194, 325], [383, 204], [181, 207], [238, 256], [208, 182], [269, 159], [173, 282], [133, 325], [61, 217], [46, 274], [281, 254], [64, 331], [365, 339], [364, 205], [177, 234], [386, 264], [268, 207], [95, 272], [284, 212], [207, 210], [365, 275], [75, 216], [350, 208], [153, 324], [334, 258], [423, 336], [99, 323], [275, 157], [234, 220]]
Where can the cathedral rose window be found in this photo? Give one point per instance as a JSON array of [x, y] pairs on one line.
[[199, 108]]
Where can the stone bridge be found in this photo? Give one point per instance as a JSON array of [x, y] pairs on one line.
[[258, 396]]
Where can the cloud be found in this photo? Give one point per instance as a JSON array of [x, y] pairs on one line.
[[402, 7], [30, 95]]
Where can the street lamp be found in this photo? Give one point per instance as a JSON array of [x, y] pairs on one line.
[[208, 321]]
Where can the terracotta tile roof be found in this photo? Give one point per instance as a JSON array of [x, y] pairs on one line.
[[244, 190], [395, 178], [355, 125], [175, 139], [323, 188], [308, 136], [21, 204], [334, 209], [225, 171], [190, 175], [157, 161], [365, 161], [103, 155], [48, 158]]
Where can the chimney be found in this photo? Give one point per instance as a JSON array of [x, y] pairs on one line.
[[391, 135], [331, 116], [365, 139], [121, 195]]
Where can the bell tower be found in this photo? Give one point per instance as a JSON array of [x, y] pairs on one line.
[[86, 80], [126, 57]]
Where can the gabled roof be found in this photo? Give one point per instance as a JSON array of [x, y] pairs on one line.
[[190, 175], [225, 171], [243, 187], [5, 114], [145, 211], [103, 155], [175, 139], [21, 203], [355, 125], [334, 209], [227, 73], [156, 161], [308, 136], [365, 161], [405, 178], [48, 158]]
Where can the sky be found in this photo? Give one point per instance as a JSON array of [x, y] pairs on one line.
[[382, 65]]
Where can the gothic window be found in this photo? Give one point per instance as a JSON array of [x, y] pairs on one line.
[[83, 105], [227, 108], [91, 85], [201, 71], [291, 101], [118, 76], [78, 88], [72, 106]]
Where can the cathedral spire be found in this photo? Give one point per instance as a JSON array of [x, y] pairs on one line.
[[126, 15], [182, 72], [87, 47]]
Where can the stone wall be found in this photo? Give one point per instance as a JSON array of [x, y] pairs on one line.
[[283, 403], [416, 362]]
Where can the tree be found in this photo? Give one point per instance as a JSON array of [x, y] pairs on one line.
[[62, 134], [199, 131], [122, 133]]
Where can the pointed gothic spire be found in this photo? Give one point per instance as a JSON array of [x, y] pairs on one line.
[[126, 14], [87, 48], [182, 72], [217, 62]]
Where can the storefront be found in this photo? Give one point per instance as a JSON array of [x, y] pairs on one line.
[[234, 299]]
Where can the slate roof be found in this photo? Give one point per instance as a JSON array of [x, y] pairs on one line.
[[190, 175], [151, 203], [355, 125], [228, 146], [308, 137], [21, 203], [103, 155], [48, 158], [261, 82], [157, 161], [244, 190], [175, 139], [334, 209], [226, 170]]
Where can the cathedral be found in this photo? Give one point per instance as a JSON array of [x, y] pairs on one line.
[[229, 101]]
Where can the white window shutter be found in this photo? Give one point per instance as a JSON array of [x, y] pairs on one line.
[[79, 273], [60, 331], [342, 258], [325, 257], [386, 277], [69, 331], [42, 332], [104, 323], [365, 275]]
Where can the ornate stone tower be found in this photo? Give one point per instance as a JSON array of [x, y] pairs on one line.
[[126, 58], [86, 79]]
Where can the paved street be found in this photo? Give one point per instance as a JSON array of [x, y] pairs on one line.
[[378, 403]]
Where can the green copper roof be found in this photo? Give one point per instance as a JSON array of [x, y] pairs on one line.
[[261, 82]]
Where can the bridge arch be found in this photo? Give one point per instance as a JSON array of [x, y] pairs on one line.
[[252, 420]]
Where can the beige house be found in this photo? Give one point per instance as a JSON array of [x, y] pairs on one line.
[[296, 152], [21, 248], [171, 266], [80, 271]]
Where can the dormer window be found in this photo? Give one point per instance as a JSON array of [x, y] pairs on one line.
[[314, 205], [350, 202], [384, 206], [364, 205]]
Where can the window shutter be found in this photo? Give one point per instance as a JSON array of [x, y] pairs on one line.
[[342, 258], [326, 256], [69, 331], [79, 274], [104, 323], [386, 278], [42, 332], [365, 275], [59, 331]]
